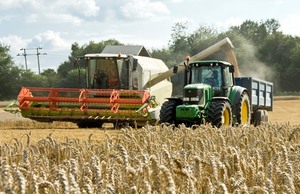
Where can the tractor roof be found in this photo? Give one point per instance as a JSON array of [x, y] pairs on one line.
[[210, 63]]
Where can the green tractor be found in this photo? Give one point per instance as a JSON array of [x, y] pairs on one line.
[[210, 95]]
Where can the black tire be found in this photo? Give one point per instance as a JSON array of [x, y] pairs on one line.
[[259, 117], [89, 124], [243, 112], [168, 112], [266, 119], [220, 113]]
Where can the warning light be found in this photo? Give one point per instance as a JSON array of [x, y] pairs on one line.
[[187, 58]]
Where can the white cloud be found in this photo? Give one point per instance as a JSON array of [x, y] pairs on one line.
[[291, 24], [176, 1], [82, 7], [54, 18], [68, 11], [15, 43], [63, 18], [50, 40], [6, 18], [53, 44], [141, 9], [231, 21], [9, 4], [79, 7]]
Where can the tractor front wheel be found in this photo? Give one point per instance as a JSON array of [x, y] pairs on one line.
[[168, 112], [220, 113]]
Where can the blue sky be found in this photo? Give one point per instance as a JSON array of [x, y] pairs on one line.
[[55, 25]]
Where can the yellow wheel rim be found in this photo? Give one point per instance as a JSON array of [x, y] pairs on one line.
[[226, 118], [244, 113]]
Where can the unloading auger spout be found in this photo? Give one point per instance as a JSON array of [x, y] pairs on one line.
[[224, 45]]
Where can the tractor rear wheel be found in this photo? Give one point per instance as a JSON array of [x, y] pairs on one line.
[[168, 112], [220, 113], [243, 113]]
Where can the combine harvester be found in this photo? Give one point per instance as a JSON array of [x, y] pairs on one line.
[[124, 85]]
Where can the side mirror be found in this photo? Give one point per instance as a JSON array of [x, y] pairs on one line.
[[175, 69], [231, 69]]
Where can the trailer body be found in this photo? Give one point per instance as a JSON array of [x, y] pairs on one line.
[[260, 92]]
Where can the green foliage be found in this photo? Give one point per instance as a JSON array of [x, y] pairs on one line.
[[30, 79], [75, 79], [9, 74], [51, 77]]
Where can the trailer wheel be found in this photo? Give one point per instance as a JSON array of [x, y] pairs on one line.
[[220, 114], [243, 113], [260, 116], [168, 112]]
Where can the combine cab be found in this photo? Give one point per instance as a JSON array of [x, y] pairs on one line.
[[115, 92]]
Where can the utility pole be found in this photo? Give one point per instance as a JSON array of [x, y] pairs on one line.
[[38, 58], [37, 54], [24, 54]]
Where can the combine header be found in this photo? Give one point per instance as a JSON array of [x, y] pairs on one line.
[[86, 107], [124, 85]]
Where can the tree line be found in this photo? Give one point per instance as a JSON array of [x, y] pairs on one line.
[[262, 51]]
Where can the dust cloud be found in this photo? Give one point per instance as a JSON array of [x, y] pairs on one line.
[[250, 66]]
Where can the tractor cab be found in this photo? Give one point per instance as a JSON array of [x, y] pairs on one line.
[[217, 74]]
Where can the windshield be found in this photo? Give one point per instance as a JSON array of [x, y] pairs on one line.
[[108, 73], [208, 75]]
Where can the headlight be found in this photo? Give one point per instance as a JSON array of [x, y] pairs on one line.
[[186, 98], [194, 98]]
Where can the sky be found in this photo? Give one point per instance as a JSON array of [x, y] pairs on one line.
[[55, 25]]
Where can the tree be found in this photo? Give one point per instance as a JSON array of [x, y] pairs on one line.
[[30, 79], [75, 79], [272, 26], [51, 77], [179, 40], [9, 75], [202, 38]]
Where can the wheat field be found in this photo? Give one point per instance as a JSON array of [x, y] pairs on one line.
[[156, 159]]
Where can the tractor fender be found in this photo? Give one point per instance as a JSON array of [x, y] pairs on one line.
[[221, 98], [218, 98], [234, 96]]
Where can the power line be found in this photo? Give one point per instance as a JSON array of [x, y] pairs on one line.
[[37, 54]]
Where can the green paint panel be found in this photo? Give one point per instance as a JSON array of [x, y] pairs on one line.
[[187, 112]]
